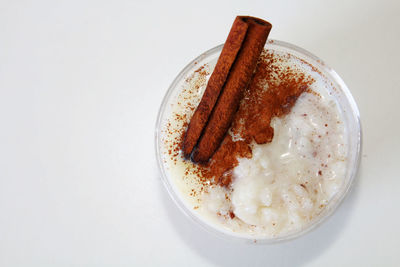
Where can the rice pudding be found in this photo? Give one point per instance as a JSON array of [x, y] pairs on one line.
[[285, 185]]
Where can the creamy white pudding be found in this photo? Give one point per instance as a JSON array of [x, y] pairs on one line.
[[287, 184]]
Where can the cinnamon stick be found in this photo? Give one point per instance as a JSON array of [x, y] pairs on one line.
[[228, 55], [237, 80]]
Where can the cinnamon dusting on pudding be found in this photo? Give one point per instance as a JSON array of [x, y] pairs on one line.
[[272, 92]]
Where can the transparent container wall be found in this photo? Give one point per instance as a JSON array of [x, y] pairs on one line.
[[344, 100]]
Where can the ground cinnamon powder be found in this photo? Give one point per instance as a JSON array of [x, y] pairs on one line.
[[272, 92]]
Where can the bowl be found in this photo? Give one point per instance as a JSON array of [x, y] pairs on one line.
[[346, 105]]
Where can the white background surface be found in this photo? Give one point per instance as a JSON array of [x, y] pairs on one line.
[[80, 86]]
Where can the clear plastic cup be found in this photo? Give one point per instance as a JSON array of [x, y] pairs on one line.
[[345, 103]]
